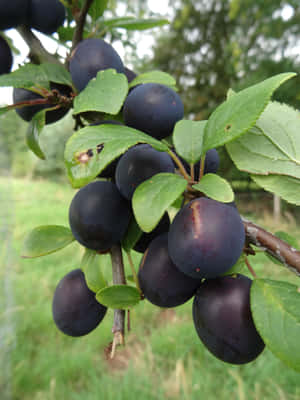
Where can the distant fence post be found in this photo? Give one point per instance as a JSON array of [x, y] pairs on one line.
[[276, 208]]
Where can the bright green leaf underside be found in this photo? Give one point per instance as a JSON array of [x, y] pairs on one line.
[[216, 188], [276, 312], [273, 146], [31, 75], [106, 93], [119, 297], [286, 187], [46, 239], [90, 265], [154, 77], [153, 197], [188, 138]]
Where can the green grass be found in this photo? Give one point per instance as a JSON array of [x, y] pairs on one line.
[[163, 359]]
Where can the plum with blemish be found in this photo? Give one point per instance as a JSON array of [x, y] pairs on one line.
[[206, 238]]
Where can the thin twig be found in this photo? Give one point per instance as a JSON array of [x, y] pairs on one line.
[[274, 246], [134, 274], [118, 329], [180, 165], [202, 164], [80, 22], [249, 266], [38, 53]]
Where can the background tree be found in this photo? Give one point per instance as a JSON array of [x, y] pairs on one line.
[[216, 44]]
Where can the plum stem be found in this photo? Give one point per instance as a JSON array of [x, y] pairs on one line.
[[80, 21], [118, 272], [274, 246], [192, 169], [202, 167], [180, 165], [38, 53], [249, 266], [135, 278]]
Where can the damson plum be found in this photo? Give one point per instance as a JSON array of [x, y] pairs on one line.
[[91, 56], [13, 13], [146, 238], [130, 75], [28, 112], [138, 164], [75, 309], [223, 320], [46, 16], [6, 58], [161, 282], [206, 238], [99, 216], [154, 109]]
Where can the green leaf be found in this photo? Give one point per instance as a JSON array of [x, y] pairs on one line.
[[240, 112], [188, 138], [105, 93], [92, 270], [31, 75], [119, 297], [215, 187], [34, 129], [286, 187], [152, 198], [97, 9], [114, 140], [273, 147], [276, 311], [154, 77], [131, 23], [46, 239], [132, 236]]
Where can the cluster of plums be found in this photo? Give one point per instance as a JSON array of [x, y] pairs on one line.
[[183, 259], [188, 257]]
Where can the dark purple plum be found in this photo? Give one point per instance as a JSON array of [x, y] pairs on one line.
[[161, 282], [223, 319], [146, 238], [46, 16], [154, 109], [206, 238], [91, 56], [138, 164], [75, 309], [13, 13], [28, 112], [130, 75], [99, 216], [6, 58]]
